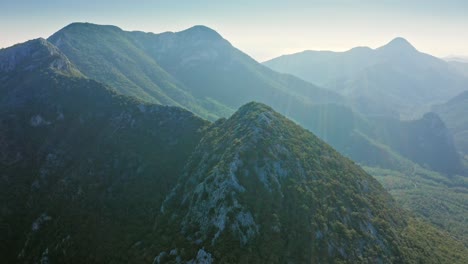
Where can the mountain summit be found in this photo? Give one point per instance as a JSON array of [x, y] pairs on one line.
[[195, 69], [91, 176], [75, 157], [398, 44], [393, 80], [203, 32], [33, 54], [260, 189]]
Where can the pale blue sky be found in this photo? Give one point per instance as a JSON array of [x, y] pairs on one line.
[[263, 29]]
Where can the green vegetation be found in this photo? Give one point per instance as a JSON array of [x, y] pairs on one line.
[[195, 69], [416, 160], [91, 175], [429, 195], [260, 189], [109, 55], [199, 70], [84, 170], [425, 240]]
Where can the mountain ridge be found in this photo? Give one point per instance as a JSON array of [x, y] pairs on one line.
[[396, 71], [82, 166], [211, 77], [175, 66], [259, 152], [398, 44], [35, 52], [87, 175]]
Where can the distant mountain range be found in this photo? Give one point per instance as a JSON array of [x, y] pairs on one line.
[[95, 168], [393, 82], [92, 176], [195, 69], [395, 79], [199, 70]]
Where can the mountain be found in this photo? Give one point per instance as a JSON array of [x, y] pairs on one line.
[[385, 84], [32, 56], [454, 113], [217, 77], [393, 80], [398, 46], [213, 72], [426, 141], [209, 69], [196, 69], [260, 189], [89, 175], [82, 168]]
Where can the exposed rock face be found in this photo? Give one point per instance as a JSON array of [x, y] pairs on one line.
[[91, 176], [258, 181], [32, 55]]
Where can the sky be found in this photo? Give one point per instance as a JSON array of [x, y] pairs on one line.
[[264, 29]]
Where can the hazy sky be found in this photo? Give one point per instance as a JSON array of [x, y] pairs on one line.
[[264, 29]]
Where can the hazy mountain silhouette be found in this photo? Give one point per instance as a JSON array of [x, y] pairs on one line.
[[455, 114], [199, 70], [394, 79]]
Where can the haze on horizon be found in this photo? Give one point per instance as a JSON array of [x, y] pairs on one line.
[[264, 29]]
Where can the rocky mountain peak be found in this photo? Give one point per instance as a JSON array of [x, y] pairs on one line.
[[34, 54], [242, 181], [254, 113]]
